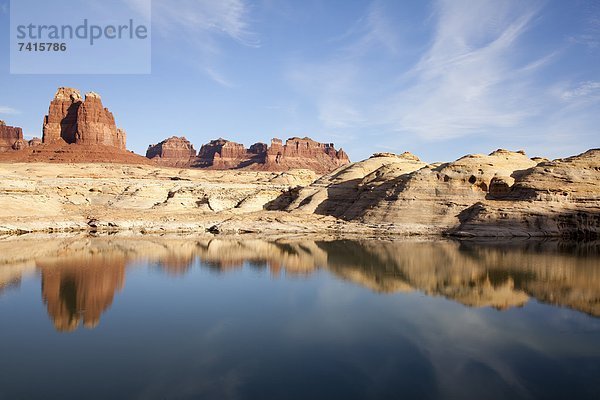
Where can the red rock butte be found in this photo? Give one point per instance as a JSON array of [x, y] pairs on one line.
[[224, 154], [75, 121], [75, 130], [11, 138]]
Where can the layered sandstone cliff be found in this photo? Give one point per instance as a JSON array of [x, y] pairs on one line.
[[304, 153], [74, 120], [560, 197], [173, 152], [223, 154], [503, 193], [11, 138]]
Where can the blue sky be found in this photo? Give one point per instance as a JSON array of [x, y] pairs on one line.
[[438, 78]]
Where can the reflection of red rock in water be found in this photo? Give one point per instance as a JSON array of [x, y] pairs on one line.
[[80, 289], [176, 265]]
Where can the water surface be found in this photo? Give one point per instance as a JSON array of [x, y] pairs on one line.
[[183, 317]]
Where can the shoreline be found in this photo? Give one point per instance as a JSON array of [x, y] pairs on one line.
[[476, 196]]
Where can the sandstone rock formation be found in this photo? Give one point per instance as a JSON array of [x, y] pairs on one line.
[[433, 196], [304, 153], [224, 154], [335, 193], [296, 153], [501, 194], [555, 198], [9, 135], [11, 138], [72, 119], [173, 152], [75, 130]]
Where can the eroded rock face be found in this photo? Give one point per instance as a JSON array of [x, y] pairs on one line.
[[304, 153], [435, 196], [557, 198], [173, 152], [501, 194], [72, 119], [335, 193], [221, 154], [296, 153], [11, 138], [9, 135], [402, 190]]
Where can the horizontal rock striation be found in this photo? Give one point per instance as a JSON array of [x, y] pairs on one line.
[[554, 198], [9, 135], [173, 152], [11, 138], [501, 194], [296, 153]]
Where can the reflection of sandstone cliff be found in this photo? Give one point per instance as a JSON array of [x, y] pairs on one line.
[[476, 275], [81, 275], [293, 257], [81, 288]]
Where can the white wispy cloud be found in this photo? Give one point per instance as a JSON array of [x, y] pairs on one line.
[[477, 74], [588, 89], [200, 27], [218, 77], [227, 18], [8, 110], [336, 85], [468, 80]]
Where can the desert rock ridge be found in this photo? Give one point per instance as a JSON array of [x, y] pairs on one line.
[[503, 193]]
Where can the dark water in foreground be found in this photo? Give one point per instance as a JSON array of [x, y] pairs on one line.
[[180, 318]]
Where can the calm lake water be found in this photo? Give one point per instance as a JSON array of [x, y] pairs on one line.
[[183, 317]]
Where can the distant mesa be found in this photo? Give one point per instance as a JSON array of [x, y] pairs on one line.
[[80, 129], [11, 138], [224, 154], [173, 152]]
